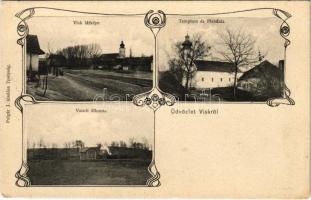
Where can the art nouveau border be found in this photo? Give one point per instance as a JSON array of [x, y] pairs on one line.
[[155, 21], [21, 174], [155, 98]]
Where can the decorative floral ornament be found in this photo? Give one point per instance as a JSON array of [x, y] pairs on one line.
[[21, 176], [155, 19], [162, 101], [154, 99], [284, 28], [284, 32], [148, 101], [22, 27]]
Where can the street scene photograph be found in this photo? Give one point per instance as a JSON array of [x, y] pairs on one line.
[[116, 150], [222, 59], [93, 56]]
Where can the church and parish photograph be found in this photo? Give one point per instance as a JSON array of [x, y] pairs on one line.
[[222, 59], [89, 60]]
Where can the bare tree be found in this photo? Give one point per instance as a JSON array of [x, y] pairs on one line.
[[79, 54], [93, 50], [41, 143], [187, 52], [145, 143], [50, 50], [122, 143], [34, 145], [67, 145], [238, 48], [131, 142], [114, 144], [46, 70], [78, 144]]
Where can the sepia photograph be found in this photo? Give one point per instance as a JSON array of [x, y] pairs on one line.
[[116, 150], [227, 58], [155, 99], [90, 57]]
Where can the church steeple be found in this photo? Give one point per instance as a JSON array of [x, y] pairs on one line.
[[122, 44], [187, 37], [187, 44], [122, 50]]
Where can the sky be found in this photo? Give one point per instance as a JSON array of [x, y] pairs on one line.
[[58, 32], [265, 30], [64, 124]]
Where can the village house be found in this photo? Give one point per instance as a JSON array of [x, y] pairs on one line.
[[264, 80], [119, 61], [89, 153], [32, 56]]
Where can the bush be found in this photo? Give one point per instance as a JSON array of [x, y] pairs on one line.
[[168, 83]]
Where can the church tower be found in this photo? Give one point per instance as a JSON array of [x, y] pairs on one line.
[[122, 50], [187, 44], [187, 48]]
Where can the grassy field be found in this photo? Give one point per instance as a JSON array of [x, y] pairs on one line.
[[76, 172], [84, 85]]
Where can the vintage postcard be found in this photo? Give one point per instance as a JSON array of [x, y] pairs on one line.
[[187, 99]]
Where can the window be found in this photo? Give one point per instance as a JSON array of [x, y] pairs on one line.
[[220, 79], [202, 79], [212, 79], [229, 79]]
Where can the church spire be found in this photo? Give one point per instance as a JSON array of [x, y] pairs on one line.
[[122, 45], [187, 44], [122, 50]]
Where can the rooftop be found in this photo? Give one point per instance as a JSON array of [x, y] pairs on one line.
[[214, 66], [265, 68], [33, 46]]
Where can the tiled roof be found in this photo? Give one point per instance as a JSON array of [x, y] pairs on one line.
[[33, 46], [110, 55], [136, 61], [265, 69], [85, 149], [214, 66]]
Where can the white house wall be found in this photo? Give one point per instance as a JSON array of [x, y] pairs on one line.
[[34, 59], [208, 79]]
